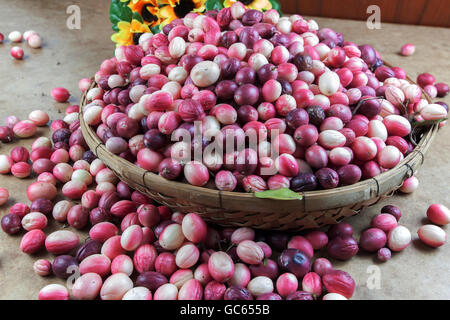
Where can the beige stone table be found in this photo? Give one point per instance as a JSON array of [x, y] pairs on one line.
[[68, 55]]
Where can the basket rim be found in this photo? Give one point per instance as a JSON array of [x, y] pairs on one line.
[[361, 191]]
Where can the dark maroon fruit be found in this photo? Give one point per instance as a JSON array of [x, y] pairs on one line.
[[246, 94], [237, 293], [41, 205], [370, 108], [286, 87], [316, 115], [265, 30], [108, 199], [61, 135], [127, 127], [383, 72], [269, 296], [64, 266], [89, 156], [267, 72], [295, 262], [367, 91], [368, 54], [303, 62], [245, 75], [277, 240], [296, 118], [327, 178], [87, 249], [304, 182], [77, 138], [280, 39], [252, 17], [349, 174], [393, 210], [342, 229], [151, 280], [247, 113], [372, 239], [248, 36], [230, 67], [169, 169], [189, 61], [268, 268], [154, 139], [300, 295], [6, 134], [442, 89], [342, 248], [225, 89], [98, 215], [340, 111], [11, 223]]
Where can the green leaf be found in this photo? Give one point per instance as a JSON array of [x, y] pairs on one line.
[[276, 5], [137, 16], [280, 194], [213, 5], [427, 123], [119, 11], [155, 29]]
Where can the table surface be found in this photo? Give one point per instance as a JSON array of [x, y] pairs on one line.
[[69, 55]]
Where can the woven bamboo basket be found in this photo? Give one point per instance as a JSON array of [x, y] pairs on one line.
[[238, 209]]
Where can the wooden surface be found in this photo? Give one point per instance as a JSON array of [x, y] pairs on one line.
[[418, 12], [68, 55]]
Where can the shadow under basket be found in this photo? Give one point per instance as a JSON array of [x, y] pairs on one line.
[[238, 209]]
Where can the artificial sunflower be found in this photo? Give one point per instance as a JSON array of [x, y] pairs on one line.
[[175, 9], [251, 4], [147, 9], [127, 31]]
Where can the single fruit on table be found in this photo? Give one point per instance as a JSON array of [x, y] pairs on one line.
[[438, 214], [372, 239], [432, 235], [60, 94], [17, 53], [399, 238]]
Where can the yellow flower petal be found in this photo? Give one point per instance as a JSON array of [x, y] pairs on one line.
[[171, 3], [260, 5], [139, 5], [255, 4], [135, 25], [228, 3], [119, 39], [167, 14], [199, 5], [124, 25]]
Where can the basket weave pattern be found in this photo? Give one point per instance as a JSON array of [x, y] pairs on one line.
[[316, 209]]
